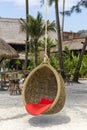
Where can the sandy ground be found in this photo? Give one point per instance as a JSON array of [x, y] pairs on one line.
[[72, 117]]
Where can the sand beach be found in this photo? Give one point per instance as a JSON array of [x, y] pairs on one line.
[[73, 116]]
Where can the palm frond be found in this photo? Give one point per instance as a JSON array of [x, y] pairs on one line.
[[51, 26]]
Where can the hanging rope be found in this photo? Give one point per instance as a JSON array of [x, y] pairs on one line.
[[46, 12]]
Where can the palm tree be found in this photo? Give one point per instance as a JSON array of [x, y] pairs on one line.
[[27, 37], [36, 29], [58, 36]]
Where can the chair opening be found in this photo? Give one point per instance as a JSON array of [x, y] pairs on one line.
[[41, 84]]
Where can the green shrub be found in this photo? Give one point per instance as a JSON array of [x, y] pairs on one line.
[[54, 62], [83, 69], [31, 65], [70, 62]]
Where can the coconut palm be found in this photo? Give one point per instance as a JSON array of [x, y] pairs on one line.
[[27, 38], [36, 29]]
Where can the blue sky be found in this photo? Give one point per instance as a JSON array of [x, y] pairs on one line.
[[16, 9]]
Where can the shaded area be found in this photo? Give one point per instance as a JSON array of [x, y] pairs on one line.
[[14, 117], [44, 121]]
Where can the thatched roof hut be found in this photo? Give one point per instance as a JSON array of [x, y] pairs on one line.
[[75, 44], [10, 31], [72, 45], [6, 51]]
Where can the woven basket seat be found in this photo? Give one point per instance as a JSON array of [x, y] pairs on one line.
[[44, 82]]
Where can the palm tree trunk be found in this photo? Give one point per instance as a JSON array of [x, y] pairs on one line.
[[63, 19], [48, 53], [27, 38], [59, 40], [36, 52], [76, 75]]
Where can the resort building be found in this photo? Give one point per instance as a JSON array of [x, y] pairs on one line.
[[11, 33]]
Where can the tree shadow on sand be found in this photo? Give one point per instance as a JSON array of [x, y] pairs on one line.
[[45, 120], [13, 117]]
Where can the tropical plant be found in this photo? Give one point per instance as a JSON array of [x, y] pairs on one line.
[[54, 62], [70, 62], [83, 69], [31, 65], [50, 45], [76, 74], [36, 29]]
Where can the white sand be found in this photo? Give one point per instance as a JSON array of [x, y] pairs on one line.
[[72, 117]]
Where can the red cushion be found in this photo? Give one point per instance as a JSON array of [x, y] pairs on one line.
[[41, 107]]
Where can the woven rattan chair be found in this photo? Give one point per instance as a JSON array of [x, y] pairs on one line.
[[44, 81]]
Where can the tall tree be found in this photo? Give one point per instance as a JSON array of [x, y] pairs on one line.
[[60, 57], [27, 36], [77, 9]]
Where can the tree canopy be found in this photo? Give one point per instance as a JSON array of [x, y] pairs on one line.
[[77, 8]]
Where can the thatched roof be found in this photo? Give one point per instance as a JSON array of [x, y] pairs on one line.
[[74, 44], [6, 51], [10, 31]]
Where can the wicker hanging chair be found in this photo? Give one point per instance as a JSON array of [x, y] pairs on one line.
[[44, 81]]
